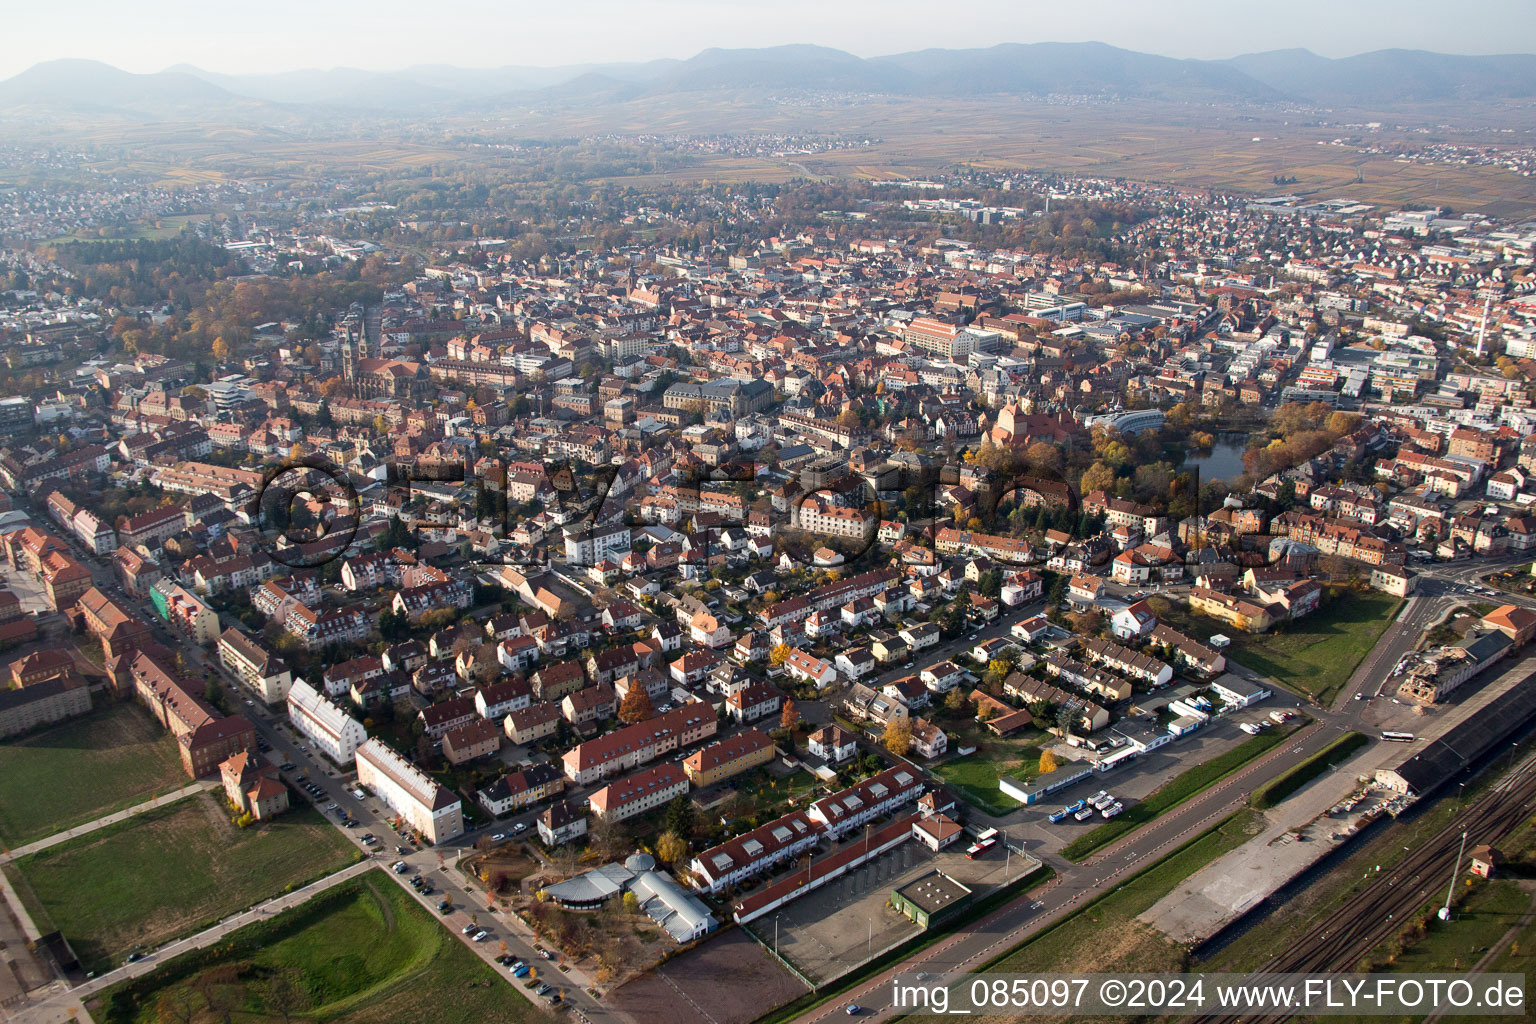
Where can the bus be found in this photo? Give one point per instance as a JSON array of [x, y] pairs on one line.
[[986, 834], [1397, 737], [981, 847]]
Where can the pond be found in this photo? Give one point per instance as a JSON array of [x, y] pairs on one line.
[[1224, 461]]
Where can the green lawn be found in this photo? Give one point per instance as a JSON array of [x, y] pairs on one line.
[[76, 771], [362, 953], [1105, 934], [1317, 655], [1174, 792], [170, 871], [974, 777], [1272, 793]]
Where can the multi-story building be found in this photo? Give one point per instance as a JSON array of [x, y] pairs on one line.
[[427, 807], [42, 703], [204, 738], [645, 790], [262, 671], [637, 744], [186, 611], [728, 757], [334, 733], [516, 790], [479, 738], [560, 823], [118, 629], [499, 699], [315, 630], [533, 723]]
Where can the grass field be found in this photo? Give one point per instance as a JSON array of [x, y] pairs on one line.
[[1317, 655], [974, 777], [79, 770], [1273, 792], [1174, 792], [362, 952], [1105, 935], [165, 873]]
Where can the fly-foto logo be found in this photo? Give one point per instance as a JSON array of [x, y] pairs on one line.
[[307, 512]]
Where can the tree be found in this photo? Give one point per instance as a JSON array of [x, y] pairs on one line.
[[636, 705], [789, 717], [957, 702], [1097, 477], [671, 848], [779, 655], [1047, 762], [1043, 456], [681, 816], [898, 736], [631, 902]]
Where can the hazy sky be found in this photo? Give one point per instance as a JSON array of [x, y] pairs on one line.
[[280, 35]]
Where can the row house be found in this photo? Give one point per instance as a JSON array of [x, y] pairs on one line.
[[1128, 662], [640, 743], [1076, 712], [878, 795], [753, 853]]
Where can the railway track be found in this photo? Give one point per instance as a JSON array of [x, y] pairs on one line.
[[1371, 915]]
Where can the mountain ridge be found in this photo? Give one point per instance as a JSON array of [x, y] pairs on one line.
[[1380, 78]]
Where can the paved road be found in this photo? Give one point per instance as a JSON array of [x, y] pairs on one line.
[[108, 819]]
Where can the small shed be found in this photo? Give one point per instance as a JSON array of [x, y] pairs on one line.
[[1485, 861]]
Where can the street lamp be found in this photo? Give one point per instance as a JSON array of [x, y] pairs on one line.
[[1445, 911]]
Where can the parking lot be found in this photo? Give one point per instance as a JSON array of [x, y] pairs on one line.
[[833, 930]]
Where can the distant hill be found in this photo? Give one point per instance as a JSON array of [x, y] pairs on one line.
[[91, 87], [1378, 80], [1387, 78]]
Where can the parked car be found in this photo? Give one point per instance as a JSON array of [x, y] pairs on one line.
[[469, 929], [481, 935], [519, 828], [498, 837]]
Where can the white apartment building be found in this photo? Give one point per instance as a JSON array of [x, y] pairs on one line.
[[426, 806], [333, 732]]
